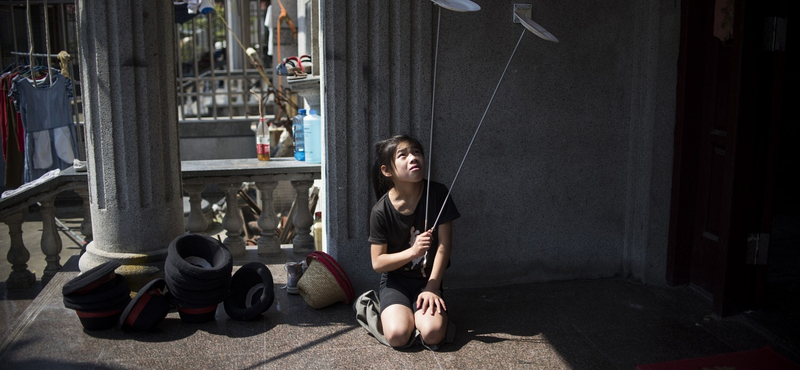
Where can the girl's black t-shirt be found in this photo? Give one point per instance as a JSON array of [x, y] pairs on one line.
[[399, 231]]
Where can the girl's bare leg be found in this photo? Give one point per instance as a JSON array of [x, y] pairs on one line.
[[398, 324], [432, 328]]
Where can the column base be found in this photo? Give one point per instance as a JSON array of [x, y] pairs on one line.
[[20, 280], [303, 244], [138, 268], [236, 245], [268, 245]]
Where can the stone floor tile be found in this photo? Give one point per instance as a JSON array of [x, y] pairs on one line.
[[628, 347]]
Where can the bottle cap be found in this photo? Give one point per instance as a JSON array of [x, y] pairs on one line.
[[301, 112], [313, 111]]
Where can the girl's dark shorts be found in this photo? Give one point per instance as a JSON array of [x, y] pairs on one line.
[[399, 289]]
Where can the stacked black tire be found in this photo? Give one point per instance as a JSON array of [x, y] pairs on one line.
[[198, 275], [251, 292], [98, 296]]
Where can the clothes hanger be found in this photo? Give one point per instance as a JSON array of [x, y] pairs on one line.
[[9, 68]]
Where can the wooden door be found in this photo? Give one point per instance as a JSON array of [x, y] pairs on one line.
[[724, 144], [718, 140]]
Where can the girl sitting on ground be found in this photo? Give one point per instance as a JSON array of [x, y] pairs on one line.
[[411, 260]]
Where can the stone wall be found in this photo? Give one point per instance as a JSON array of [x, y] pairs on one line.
[[569, 176]]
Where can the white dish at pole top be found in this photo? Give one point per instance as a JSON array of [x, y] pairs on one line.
[[458, 5], [536, 29]]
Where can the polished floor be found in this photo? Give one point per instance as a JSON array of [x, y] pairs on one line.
[[587, 324]]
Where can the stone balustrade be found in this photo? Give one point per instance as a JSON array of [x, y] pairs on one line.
[[14, 209], [228, 174]]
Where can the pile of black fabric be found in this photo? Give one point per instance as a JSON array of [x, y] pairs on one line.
[[148, 308], [98, 296], [198, 275], [197, 278], [251, 292]]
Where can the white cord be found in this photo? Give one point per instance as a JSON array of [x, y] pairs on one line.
[[433, 103], [476, 130], [430, 145]]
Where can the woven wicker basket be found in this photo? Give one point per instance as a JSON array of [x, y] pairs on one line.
[[324, 282]]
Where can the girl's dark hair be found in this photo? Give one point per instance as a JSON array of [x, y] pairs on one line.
[[385, 150]]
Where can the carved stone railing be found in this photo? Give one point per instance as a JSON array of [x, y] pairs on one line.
[[228, 174], [13, 211]]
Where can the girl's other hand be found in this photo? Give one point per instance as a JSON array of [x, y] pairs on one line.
[[422, 244], [429, 302]]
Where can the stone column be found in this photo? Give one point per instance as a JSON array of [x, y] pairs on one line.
[[303, 241], [18, 255], [349, 30], [51, 240], [268, 243], [86, 224], [128, 75], [196, 222], [233, 221]]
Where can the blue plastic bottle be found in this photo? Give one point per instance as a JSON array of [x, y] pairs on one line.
[[297, 133], [312, 130]]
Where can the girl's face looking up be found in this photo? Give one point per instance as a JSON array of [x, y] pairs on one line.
[[409, 163]]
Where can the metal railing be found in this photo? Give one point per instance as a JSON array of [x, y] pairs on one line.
[[214, 79], [223, 95]]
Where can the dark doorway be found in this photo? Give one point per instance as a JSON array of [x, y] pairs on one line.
[[734, 153], [779, 310]]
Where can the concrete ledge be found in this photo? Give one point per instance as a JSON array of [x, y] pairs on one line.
[[216, 128], [66, 180]]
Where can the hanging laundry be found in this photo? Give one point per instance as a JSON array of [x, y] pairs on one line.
[[13, 135], [50, 138]]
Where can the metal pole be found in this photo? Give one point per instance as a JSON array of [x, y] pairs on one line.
[[30, 42], [47, 43], [13, 26], [212, 65], [196, 76], [179, 60]]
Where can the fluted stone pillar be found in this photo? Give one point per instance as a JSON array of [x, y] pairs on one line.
[[128, 77], [86, 224], [383, 50]]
